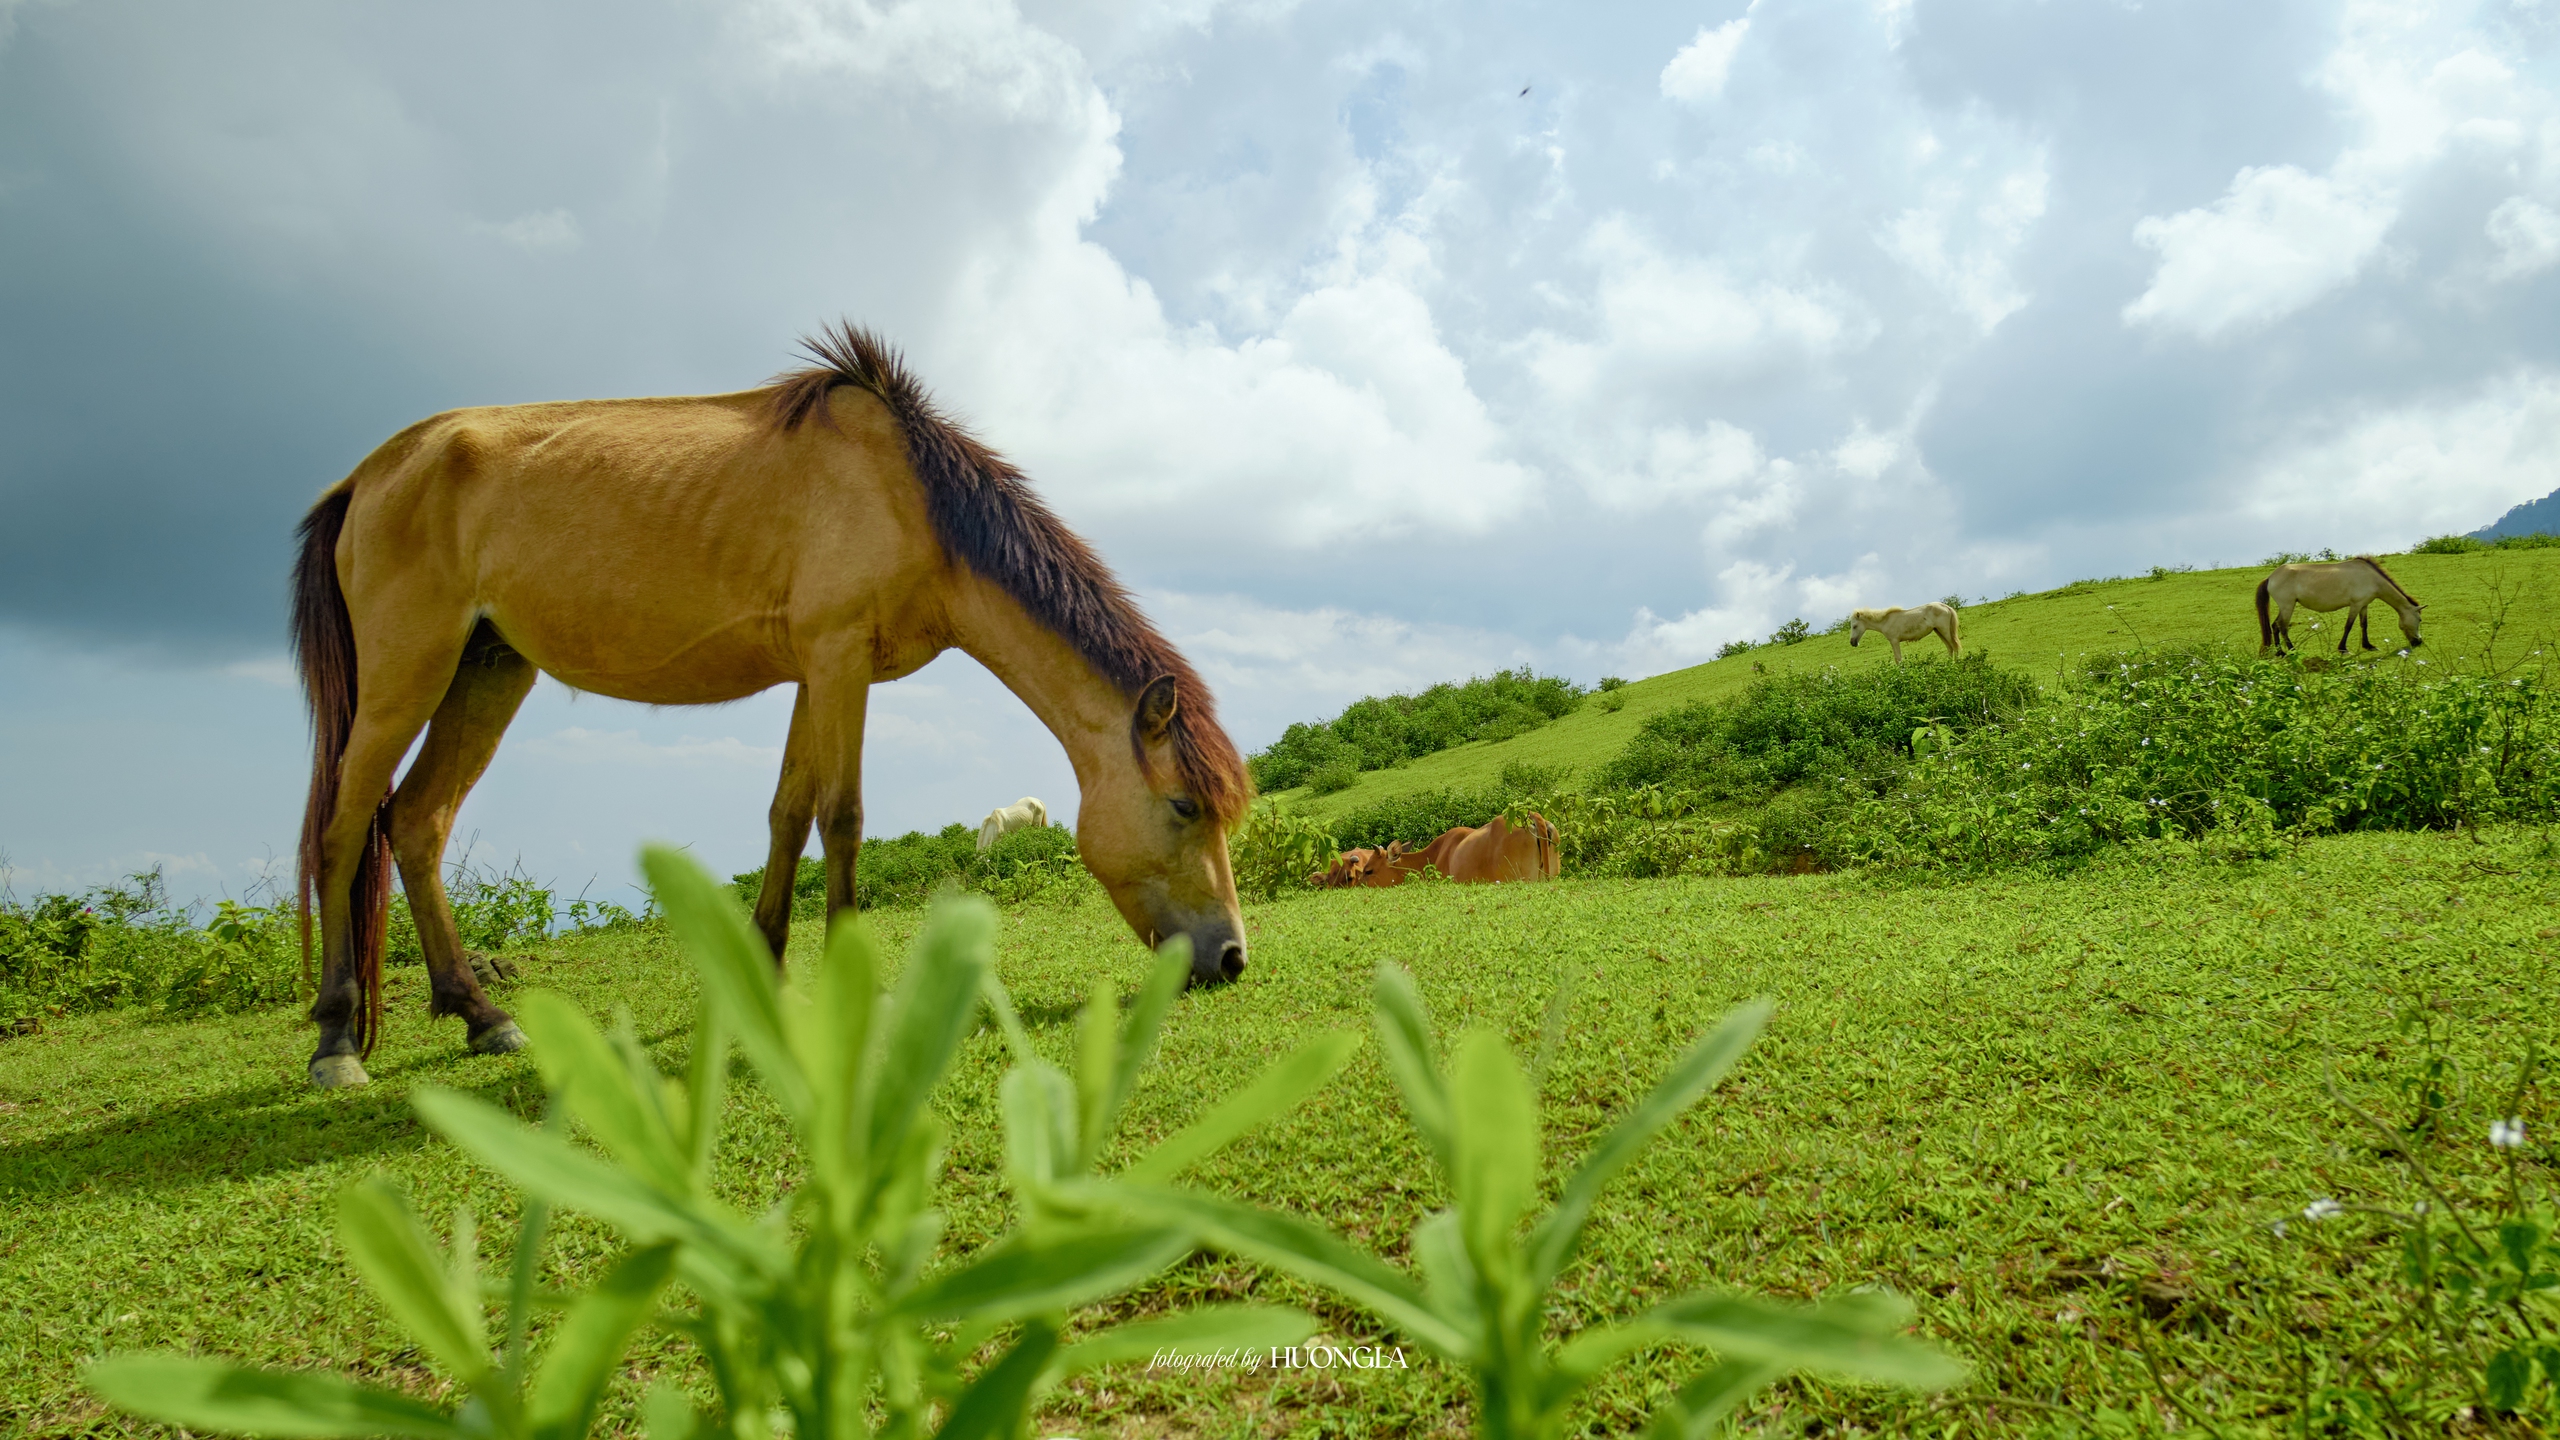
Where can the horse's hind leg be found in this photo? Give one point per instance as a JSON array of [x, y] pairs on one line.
[[398, 696], [2364, 617], [488, 686], [795, 801], [836, 702]]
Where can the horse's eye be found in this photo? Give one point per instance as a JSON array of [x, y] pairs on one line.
[[1186, 807]]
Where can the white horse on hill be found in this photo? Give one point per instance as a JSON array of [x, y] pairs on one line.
[[1898, 624], [1004, 820]]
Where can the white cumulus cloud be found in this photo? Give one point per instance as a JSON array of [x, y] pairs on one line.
[[1699, 71], [2278, 240]]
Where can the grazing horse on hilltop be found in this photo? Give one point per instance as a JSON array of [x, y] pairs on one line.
[[1023, 814], [2348, 585], [829, 531], [1897, 624]]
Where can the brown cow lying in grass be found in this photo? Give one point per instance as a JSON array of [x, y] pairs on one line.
[[1469, 854]]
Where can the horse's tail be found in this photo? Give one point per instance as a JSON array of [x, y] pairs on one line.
[[324, 641], [1955, 631], [2266, 627]]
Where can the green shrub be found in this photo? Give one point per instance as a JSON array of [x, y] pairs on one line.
[[1788, 728], [1378, 732], [1272, 853], [1334, 776], [491, 912], [2224, 749], [1611, 703], [1794, 632], [1731, 648], [125, 944], [908, 869], [1609, 683], [2449, 545]]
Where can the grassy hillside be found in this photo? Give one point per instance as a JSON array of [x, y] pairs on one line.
[[2033, 633], [2063, 1115]]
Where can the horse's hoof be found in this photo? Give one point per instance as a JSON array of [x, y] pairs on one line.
[[338, 1072], [502, 1038]]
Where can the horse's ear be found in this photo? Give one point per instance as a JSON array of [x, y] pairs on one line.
[[1156, 707]]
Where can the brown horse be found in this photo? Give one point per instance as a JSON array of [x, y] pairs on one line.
[[2348, 585], [830, 531]]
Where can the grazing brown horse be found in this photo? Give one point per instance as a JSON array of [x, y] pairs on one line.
[[2348, 585], [829, 531]]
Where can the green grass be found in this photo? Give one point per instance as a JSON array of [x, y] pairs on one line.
[[2059, 1113], [2035, 633]]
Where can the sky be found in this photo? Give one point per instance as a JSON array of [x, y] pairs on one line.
[[1373, 344]]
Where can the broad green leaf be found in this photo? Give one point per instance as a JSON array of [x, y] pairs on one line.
[[1851, 1336], [1137, 1043], [1039, 1125], [1306, 1250], [1691, 1076], [706, 1089], [1551, 1028], [993, 1405], [1026, 1275], [235, 1400], [1404, 1034], [1279, 1088], [936, 1003], [1097, 1066], [1206, 1330], [392, 1251], [585, 1070], [549, 1166], [1450, 1277], [738, 972], [1494, 1139], [591, 1341], [665, 1414], [832, 1038], [1700, 1407]]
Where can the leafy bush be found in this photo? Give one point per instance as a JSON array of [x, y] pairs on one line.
[[1273, 853], [1376, 733], [1609, 683], [1794, 632], [2474, 545], [1334, 776], [491, 911], [2163, 572], [1029, 863], [2207, 745], [1611, 703], [1731, 648], [126, 944], [1788, 728]]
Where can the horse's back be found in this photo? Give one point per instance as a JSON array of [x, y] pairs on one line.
[[655, 549]]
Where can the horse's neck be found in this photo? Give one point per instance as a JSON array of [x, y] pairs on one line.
[[1088, 714]]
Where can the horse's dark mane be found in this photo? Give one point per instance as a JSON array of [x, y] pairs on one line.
[[987, 517], [2387, 580]]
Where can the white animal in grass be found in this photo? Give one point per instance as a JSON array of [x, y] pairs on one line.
[[1898, 624], [1020, 815]]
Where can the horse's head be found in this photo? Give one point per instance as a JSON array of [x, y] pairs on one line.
[[2409, 619], [1857, 627], [1159, 852]]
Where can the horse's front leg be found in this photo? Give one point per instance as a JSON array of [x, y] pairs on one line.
[[836, 702], [2364, 617], [795, 801]]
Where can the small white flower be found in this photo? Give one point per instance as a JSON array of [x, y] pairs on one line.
[[2279, 1229], [2322, 1209], [2507, 1134]]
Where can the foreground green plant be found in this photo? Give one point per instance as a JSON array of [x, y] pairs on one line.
[[822, 1317], [1485, 1293]]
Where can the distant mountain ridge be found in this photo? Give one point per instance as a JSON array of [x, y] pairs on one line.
[[2533, 517]]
